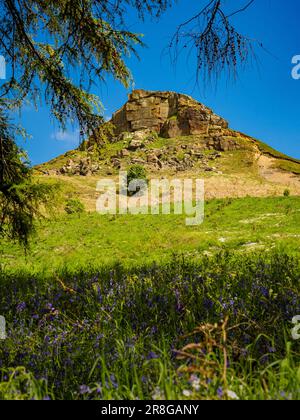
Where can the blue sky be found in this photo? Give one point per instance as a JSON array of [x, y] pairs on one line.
[[264, 102]]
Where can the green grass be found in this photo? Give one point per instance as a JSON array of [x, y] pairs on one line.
[[101, 306], [161, 142], [237, 162], [265, 148], [288, 166], [61, 160], [232, 224], [173, 118], [116, 332]]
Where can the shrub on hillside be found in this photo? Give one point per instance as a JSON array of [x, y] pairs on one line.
[[136, 179], [74, 206]]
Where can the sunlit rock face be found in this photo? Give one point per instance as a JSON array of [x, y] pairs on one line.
[[169, 114]]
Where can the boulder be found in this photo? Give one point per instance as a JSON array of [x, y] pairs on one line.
[[152, 158], [141, 135], [125, 137], [197, 152], [124, 153], [116, 163], [156, 152], [83, 167], [137, 161], [210, 169]]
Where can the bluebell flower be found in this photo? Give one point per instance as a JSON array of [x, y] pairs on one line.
[[152, 356], [21, 307], [84, 389]]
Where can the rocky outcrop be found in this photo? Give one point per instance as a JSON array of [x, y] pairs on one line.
[[83, 167], [168, 114], [142, 120]]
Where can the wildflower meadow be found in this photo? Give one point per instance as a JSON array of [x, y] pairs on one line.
[[219, 328]]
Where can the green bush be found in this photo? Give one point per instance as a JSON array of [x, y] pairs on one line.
[[74, 206], [136, 173], [287, 193]]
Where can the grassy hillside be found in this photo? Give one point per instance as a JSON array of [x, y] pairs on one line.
[[282, 161], [110, 150], [256, 170], [103, 308]]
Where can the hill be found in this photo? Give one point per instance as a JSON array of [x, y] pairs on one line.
[[242, 225], [173, 135]]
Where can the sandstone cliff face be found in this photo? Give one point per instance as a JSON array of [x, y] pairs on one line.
[[193, 127], [167, 113]]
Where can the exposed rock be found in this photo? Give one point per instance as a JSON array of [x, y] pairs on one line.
[[227, 144], [135, 145], [84, 171], [167, 113], [148, 115], [84, 167], [124, 153], [156, 152], [197, 152], [141, 135], [171, 129], [160, 164], [223, 144], [125, 137], [152, 158], [210, 169], [138, 161], [95, 168], [116, 163], [215, 156]]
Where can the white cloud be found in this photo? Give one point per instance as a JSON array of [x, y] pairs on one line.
[[66, 136]]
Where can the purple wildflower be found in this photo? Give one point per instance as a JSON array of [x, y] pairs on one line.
[[220, 392], [152, 356], [84, 389], [113, 381], [265, 292]]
